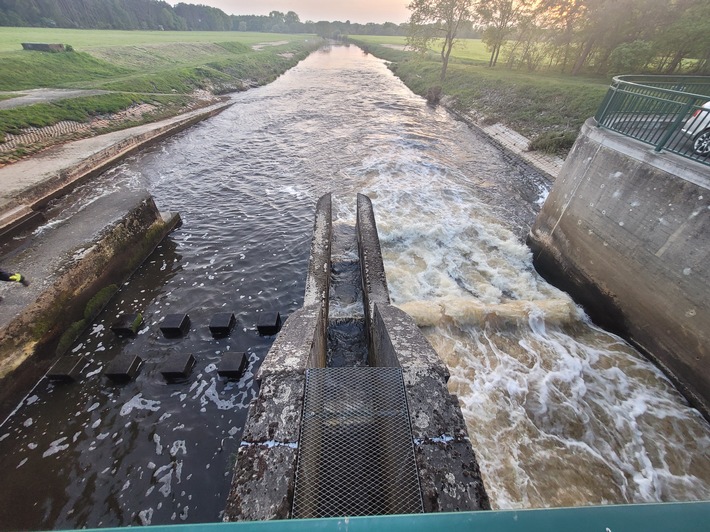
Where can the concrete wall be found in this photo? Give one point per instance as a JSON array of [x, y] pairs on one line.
[[30, 340], [627, 231]]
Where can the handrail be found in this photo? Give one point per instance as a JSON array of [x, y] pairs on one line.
[[666, 112]]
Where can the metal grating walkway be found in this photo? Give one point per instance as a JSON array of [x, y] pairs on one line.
[[356, 454]]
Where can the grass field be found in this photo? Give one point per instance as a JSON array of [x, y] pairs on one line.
[[86, 40], [470, 49]]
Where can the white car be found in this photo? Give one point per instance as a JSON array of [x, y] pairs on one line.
[[698, 128]]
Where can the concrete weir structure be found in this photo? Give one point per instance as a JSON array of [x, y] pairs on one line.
[[274, 454], [78, 266], [626, 231]]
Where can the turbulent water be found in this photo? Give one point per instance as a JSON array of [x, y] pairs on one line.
[[559, 412]]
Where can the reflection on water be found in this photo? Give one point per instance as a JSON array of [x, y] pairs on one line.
[[559, 412]]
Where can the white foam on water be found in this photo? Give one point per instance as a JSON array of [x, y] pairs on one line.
[[158, 446], [560, 413], [146, 516], [138, 403], [164, 477], [55, 447], [178, 445], [95, 372]]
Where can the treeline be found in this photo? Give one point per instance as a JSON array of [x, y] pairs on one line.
[[600, 36], [159, 15]]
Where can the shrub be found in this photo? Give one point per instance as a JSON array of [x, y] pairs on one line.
[[433, 95], [554, 142]]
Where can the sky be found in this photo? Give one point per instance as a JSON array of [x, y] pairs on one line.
[[361, 11]]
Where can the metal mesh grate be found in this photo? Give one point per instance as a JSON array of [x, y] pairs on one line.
[[356, 454]]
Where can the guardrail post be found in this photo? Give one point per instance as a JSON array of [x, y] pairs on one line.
[[608, 98], [676, 124]]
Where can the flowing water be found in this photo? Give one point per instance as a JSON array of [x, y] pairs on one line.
[[559, 412]]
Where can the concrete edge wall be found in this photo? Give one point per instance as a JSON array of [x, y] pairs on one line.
[[372, 270], [449, 474], [626, 232], [65, 180], [318, 279], [28, 344]]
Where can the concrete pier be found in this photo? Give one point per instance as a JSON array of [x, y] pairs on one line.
[[265, 470], [626, 232]]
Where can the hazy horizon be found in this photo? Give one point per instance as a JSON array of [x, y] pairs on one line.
[[362, 11]]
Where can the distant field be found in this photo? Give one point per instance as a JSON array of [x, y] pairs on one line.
[[85, 40], [144, 61], [472, 49]]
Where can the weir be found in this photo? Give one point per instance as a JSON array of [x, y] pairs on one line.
[[353, 415]]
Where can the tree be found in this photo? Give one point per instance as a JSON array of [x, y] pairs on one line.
[[432, 20], [500, 17]]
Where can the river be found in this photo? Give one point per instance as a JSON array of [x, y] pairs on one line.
[[559, 412]]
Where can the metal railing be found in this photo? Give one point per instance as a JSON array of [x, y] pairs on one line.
[[669, 113]]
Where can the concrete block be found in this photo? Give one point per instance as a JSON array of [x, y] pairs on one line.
[[433, 411], [178, 367], [123, 368], [269, 323], [175, 325], [302, 338], [66, 369], [232, 365], [263, 483], [276, 414], [127, 325], [222, 323], [450, 477]]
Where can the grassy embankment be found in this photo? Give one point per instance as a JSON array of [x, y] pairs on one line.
[[547, 107], [160, 68]]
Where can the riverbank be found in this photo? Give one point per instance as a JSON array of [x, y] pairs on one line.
[[548, 109], [72, 266], [106, 84]]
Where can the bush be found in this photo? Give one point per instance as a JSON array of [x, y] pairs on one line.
[[433, 95], [630, 57]]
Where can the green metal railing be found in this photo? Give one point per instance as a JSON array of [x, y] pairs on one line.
[[665, 112]]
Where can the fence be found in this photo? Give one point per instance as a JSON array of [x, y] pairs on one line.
[[669, 113]]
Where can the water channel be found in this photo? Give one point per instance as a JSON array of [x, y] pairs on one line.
[[559, 412]]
